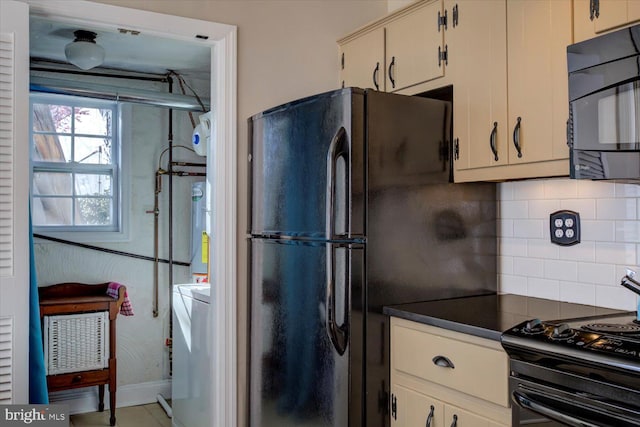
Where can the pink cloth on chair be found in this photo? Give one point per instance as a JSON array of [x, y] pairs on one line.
[[125, 309]]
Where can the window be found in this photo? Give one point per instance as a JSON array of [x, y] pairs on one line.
[[75, 164]]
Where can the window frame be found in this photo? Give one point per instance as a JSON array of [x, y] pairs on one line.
[[118, 231]]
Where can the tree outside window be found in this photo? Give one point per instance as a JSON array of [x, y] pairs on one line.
[[74, 160]]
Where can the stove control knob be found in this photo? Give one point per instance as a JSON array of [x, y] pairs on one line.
[[533, 326], [562, 331]]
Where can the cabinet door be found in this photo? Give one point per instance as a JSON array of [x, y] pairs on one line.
[[415, 409], [633, 10], [456, 417], [615, 13], [362, 60], [611, 14], [412, 43], [538, 34], [478, 71]]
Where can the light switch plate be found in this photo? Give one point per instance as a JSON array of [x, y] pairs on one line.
[[564, 227]]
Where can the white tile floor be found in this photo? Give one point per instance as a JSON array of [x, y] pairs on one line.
[[151, 415]]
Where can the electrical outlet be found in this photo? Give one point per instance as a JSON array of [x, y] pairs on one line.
[[564, 227]]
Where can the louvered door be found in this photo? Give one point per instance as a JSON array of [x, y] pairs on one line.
[[14, 197]]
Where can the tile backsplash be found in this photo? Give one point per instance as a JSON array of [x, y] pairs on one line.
[[587, 273]]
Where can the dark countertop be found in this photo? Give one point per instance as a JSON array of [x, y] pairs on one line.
[[488, 316]]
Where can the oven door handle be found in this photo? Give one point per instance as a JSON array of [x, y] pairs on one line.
[[525, 401]]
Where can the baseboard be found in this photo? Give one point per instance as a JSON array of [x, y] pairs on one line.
[[84, 400]]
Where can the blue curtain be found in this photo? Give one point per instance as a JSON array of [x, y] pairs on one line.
[[37, 374]]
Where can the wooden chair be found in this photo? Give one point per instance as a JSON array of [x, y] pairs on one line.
[[77, 298]]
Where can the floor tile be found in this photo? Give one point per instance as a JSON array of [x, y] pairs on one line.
[[151, 415]]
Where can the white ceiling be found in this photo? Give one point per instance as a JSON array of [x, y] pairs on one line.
[[142, 53]]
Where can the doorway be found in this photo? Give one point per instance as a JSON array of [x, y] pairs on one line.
[[220, 41]]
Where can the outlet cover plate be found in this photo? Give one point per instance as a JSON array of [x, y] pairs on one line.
[[564, 227]]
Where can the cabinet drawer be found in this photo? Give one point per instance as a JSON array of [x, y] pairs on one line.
[[77, 379], [476, 370]]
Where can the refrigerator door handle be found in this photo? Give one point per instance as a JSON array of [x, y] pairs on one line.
[[339, 148], [339, 334]]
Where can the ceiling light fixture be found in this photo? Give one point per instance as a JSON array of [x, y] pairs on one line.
[[84, 52]]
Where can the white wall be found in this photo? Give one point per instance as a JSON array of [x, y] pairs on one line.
[[286, 50], [587, 273], [142, 356]]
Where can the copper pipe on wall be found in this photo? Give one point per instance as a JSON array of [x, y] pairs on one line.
[[156, 214], [156, 228], [170, 171], [203, 165]]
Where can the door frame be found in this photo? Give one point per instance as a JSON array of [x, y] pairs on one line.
[[221, 168]]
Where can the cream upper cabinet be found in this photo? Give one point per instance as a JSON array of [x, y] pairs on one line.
[[414, 47], [593, 17], [362, 60], [478, 71], [401, 50], [438, 376], [538, 33]]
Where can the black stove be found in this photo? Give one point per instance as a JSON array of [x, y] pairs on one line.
[[576, 372], [613, 341]]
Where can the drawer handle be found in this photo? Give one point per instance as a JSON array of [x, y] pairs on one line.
[[455, 421], [430, 417], [76, 379], [443, 361]]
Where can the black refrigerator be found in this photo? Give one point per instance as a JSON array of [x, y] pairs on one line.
[[351, 209]]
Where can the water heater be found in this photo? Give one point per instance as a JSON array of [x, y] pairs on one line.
[[199, 236]]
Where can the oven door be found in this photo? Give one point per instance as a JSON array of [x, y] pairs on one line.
[[535, 404]]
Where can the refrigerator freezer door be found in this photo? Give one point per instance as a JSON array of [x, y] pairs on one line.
[[304, 155], [300, 373], [408, 140]]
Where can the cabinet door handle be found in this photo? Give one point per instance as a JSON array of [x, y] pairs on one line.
[[430, 417], [454, 423], [492, 141], [455, 15], [391, 66], [516, 137], [375, 76], [443, 361]]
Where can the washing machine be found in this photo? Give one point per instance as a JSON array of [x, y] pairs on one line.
[[192, 338]]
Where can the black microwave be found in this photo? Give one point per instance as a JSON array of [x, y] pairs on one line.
[[604, 106]]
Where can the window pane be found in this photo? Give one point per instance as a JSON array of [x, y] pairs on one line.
[[51, 148], [52, 118], [93, 211], [93, 121], [52, 184], [93, 150], [93, 184], [52, 211]]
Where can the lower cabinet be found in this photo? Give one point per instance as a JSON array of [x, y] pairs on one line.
[[441, 378]]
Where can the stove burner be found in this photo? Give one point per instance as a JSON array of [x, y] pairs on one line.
[[613, 328]]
